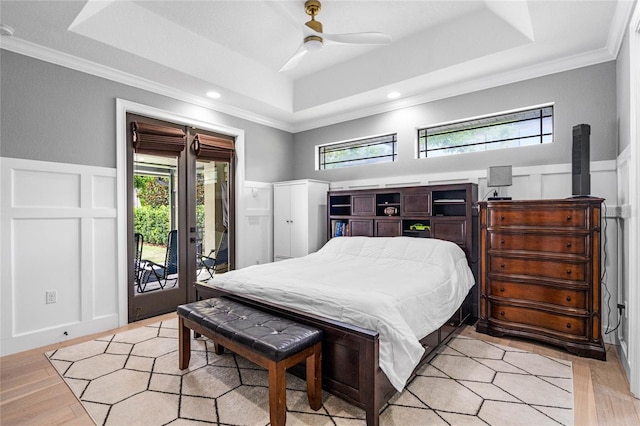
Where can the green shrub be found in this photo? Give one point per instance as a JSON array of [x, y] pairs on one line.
[[153, 222]]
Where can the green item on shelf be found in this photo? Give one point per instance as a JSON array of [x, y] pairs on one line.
[[419, 227]]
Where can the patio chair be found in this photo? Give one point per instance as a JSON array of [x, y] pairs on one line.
[[211, 263], [165, 274], [138, 271]]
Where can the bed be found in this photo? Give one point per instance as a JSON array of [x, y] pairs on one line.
[[382, 303]]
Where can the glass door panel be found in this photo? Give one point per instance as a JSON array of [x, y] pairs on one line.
[[155, 219], [212, 214]]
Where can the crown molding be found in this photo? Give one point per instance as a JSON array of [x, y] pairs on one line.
[[618, 28], [56, 57], [338, 113]]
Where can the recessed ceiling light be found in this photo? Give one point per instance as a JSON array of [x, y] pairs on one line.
[[6, 30], [393, 95], [213, 95]]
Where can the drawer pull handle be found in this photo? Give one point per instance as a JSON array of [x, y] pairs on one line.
[[568, 325], [568, 245], [568, 271], [501, 241], [568, 298], [502, 265], [568, 218], [502, 289], [501, 217], [502, 313]]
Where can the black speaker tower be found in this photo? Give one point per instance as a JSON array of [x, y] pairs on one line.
[[580, 167]]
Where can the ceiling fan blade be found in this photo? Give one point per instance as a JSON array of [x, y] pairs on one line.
[[358, 38], [295, 59]]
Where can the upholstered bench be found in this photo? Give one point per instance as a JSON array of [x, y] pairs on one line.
[[271, 342]]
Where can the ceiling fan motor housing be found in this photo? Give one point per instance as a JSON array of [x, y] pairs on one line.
[[312, 7]]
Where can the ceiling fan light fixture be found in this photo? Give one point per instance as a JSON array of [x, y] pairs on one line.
[[315, 37], [313, 43]]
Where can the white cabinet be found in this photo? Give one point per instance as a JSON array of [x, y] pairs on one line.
[[299, 217]]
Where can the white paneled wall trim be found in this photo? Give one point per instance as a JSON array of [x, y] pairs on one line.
[[530, 182], [623, 214], [258, 204], [58, 234]]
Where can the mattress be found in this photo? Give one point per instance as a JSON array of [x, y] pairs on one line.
[[403, 288]]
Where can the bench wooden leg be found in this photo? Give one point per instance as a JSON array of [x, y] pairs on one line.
[[218, 349], [277, 393], [314, 375], [184, 344]]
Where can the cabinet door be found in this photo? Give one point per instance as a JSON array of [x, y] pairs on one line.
[[281, 218], [299, 220], [416, 203], [363, 205], [361, 227], [454, 230], [388, 228]]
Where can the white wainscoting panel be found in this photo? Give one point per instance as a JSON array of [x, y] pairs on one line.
[[103, 192], [104, 293], [46, 257], [623, 261], [34, 188], [258, 225], [58, 227]]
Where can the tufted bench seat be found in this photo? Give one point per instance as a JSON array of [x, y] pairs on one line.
[[271, 342]]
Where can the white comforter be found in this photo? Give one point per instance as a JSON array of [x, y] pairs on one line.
[[403, 288]]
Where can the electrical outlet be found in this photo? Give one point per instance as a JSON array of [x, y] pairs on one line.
[[52, 296], [622, 310]]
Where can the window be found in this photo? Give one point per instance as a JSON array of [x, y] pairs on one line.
[[377, 149], [510, 130]]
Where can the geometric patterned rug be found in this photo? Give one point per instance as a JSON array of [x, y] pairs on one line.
[[132, 378]]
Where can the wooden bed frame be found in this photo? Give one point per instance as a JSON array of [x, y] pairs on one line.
[[350, 367]]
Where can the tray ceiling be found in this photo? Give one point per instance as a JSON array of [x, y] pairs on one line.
[[439, 48]]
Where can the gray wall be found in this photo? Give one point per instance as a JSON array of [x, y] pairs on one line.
[[52, 113], [585, 95], [623, 65]]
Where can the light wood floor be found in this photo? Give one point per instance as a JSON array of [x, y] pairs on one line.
[[32, 392]]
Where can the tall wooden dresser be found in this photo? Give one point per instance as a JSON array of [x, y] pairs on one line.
[[540, 272]]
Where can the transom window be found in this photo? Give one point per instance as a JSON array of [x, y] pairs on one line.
[[377, 149], [510, 130]]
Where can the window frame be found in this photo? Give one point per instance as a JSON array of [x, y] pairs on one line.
[[424, 153], [319, 165]]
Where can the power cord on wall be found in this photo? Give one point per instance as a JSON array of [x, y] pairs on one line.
[[487, 194], [603, 277]]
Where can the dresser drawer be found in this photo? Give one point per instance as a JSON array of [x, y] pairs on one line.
[[560, 323], [539, 216], [539, 293], [569, 244], [543, 268]]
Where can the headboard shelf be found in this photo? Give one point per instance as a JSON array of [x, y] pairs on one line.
[[447, 212]]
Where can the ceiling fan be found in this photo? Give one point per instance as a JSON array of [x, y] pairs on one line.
[[314, 38]]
